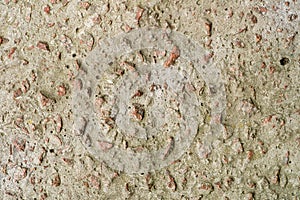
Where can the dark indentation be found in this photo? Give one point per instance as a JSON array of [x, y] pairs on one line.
[[283, 61]]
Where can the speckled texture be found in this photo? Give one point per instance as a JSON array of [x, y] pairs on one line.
[[255, 44]]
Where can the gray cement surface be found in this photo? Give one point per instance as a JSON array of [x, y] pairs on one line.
[[160, 129]]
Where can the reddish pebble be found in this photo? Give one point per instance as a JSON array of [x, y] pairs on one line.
[[250, 154], [56, 180], [263, 9], [11, 52], [19, 144], [139, 13], [17, 93], [172, 58], [61, 90], [104, 146], [58, 121], [127, 28], [43, 46], [47, 9], [45, 101], [85, 5]]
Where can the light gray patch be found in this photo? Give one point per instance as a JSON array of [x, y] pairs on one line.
[[152, 115]]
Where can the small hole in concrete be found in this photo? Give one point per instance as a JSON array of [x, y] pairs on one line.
[[284, 61]]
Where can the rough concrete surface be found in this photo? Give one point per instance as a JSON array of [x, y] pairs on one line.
[[149, 123]]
